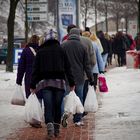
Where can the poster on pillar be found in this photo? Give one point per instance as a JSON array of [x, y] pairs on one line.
[[67, 14]]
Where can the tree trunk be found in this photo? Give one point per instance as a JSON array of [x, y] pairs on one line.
[[117, 22], [10, 27], [126, 24], [106, 20], [86, 14], [96, 25]]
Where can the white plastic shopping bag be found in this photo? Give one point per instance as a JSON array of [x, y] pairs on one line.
[[69, 106], [91, 103], [79, 106], [72, 104], [18, 96], [33, 110]]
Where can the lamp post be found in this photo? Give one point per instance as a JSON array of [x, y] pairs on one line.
[[122, 23]]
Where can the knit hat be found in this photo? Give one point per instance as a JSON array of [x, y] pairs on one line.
[[75, 31], [51, 35]]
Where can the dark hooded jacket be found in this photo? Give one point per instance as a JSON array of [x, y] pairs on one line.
[[51, 62], [104, 42]]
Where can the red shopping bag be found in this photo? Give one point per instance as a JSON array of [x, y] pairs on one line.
[[102, 83]]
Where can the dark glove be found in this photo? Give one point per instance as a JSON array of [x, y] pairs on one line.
[[91, 83], [101, 72], [18, 83]]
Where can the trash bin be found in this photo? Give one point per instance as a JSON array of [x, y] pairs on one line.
[[137, 59], [130, 59], [133, 59]]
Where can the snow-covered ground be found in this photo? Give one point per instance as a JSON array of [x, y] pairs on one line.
[[11, 117], [119, 116], [120, 104]]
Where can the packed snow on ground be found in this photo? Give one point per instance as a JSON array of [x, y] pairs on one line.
[[121, 82], [119, 115]]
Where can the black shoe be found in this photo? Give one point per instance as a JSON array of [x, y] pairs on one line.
[[64, 121], [84, 114], [56, 130]]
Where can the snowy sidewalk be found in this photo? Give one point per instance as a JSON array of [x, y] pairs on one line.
[[11, 117], [119, 116], [117, 119]]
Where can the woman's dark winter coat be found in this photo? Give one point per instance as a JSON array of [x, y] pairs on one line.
[[25, 67], [119, 45], [51, 62]]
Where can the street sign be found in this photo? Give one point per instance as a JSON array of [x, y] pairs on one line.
[[68, 13], [36, 17], [36, 1], [17, 55], [35, 8]]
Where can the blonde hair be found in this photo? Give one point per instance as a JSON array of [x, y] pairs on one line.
[[107, 36], [93, 37], [41, 40], [86, 34]]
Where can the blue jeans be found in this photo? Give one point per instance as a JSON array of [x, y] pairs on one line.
[[52, 98], [104, 56], [79, 92]]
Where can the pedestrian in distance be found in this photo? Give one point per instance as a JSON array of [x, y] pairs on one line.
[[50, 69], [120, 48], [105, 45], [137, 40], [68, 31]]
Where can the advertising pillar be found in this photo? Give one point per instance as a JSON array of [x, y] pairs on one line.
[[68, 13]]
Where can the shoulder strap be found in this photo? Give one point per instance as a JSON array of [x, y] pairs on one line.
[[33, 51]]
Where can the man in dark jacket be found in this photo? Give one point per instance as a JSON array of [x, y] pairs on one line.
[[80, 64], [49, 71]]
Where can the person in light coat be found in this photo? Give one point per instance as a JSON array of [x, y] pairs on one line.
[[99, 66]]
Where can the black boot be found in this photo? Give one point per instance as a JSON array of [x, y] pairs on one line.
[[50, 129], [56, 130]]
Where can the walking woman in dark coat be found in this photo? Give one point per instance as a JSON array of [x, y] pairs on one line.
[[120, 48], [49, 71], [26, 62]]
